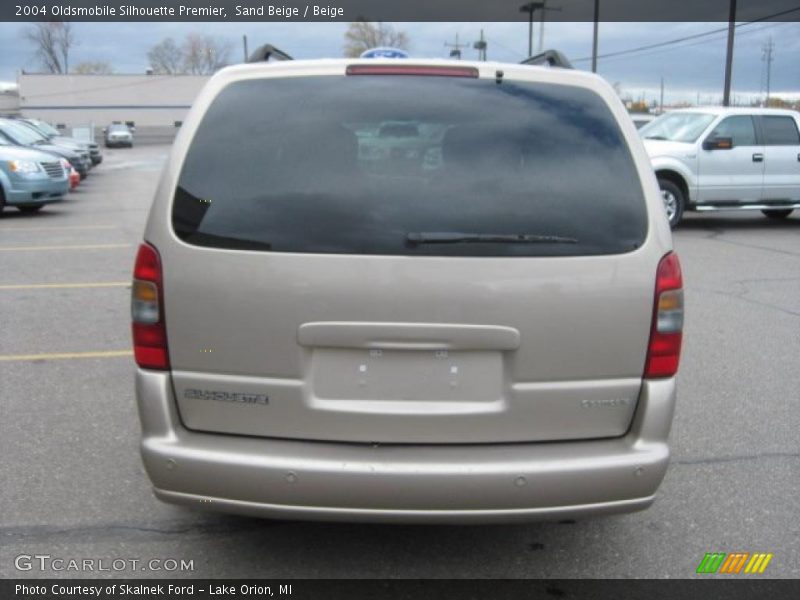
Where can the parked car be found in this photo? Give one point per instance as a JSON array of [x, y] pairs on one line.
[[82, 148], [716, 158], [25, 136], [57, 137], [492, 337], [29, 179], [118, 134], [642, 119]]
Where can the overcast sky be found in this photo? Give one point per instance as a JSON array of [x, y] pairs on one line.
[[689, 68]]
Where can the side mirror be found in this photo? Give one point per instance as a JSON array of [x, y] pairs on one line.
[[718, 143]]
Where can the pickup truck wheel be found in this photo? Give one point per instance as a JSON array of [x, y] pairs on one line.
[[30, 208], [777, 213], [674, 201]]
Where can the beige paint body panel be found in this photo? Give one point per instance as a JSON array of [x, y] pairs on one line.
[[477, 372], [476, 483], [579, 320]]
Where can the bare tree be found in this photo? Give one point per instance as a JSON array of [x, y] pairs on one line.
[[93, 68], [199, 54], [166, 58], [363, 35], [203, 54], [53, 41]]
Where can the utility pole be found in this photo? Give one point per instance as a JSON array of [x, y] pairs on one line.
[[455, 51], [661, 100], [530, 8], [726, 95], [594, 37], [480, 46], [244, 42], [767, 57]]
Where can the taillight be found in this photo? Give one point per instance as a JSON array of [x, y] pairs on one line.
[[147, 311], [664, 351]]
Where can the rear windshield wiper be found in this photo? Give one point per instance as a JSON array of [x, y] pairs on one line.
[[434, 237], [655, 137]]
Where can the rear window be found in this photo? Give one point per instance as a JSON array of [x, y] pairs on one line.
[[780, 131], [404, 165]]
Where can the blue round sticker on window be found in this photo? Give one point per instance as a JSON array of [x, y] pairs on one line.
[[384, 53]]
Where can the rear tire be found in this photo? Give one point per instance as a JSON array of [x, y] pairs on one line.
[[777, 213], [30, 208], [674, 201], [2, 200]]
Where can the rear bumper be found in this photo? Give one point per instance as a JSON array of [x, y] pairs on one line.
[[403, 483]]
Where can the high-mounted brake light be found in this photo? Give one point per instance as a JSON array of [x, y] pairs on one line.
[[666, 334], [403, 69], [147, 311]]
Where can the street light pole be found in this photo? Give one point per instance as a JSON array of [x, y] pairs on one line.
[[529, 8], [545, 8], [530, 35], [594, 37]]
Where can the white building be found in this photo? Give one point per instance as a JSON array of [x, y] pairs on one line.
[[149, 101], [9, 98]]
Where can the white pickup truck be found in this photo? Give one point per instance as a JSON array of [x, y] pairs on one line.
[[717, 158]]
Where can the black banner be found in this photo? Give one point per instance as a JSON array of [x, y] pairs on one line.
[[396, 10], [742, 587]]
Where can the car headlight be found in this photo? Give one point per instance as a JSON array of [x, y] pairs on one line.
[[24, 166]]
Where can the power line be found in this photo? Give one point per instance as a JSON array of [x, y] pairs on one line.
[[506, 48], [651, 46], [700, 42], [517, 53], [688, 37]]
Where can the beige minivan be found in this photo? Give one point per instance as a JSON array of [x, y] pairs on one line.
[[407, 290]]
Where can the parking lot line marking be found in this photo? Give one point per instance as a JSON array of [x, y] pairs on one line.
[[64, 355], [52, 286], [84, 247], [59, 227]]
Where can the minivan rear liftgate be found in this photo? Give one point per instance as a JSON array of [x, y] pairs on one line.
[[399, 367]]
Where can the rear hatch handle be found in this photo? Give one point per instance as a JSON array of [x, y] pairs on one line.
[[407, 336]]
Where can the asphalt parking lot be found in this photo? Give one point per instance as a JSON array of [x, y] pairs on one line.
[[73, 486]]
